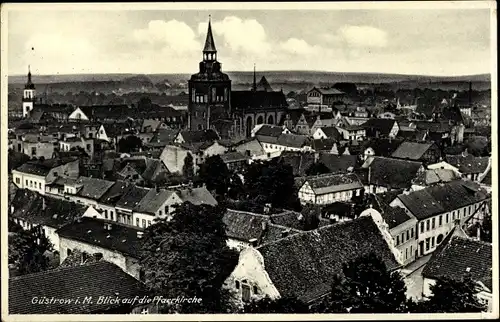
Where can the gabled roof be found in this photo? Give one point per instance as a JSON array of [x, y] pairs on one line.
[[121, 238], [29, 206], [197, 196], [330, 183], [233, 156], [42, 168], [258, 100], [442, 198], [433, 176], [393, 216], [329, 91], [323, 144], [93, 188], [331, 132], [153, 200], [338, 163], [197, 136], [114, 194], [107, 280], [383, 126], [131, 198], [299, 161], [263, 85], [392, 173], [162, 137], [304, 264], [459, 257], [383, 147], [269, 130], [153, 168], [468, 164], [411, 150], [293, 140]]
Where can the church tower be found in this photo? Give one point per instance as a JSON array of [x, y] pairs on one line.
[[209, 91], [29, 94]]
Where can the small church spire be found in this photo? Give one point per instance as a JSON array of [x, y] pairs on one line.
[[209, 42]]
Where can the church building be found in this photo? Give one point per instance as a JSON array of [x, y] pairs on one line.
[[29, 96], [233, 114]]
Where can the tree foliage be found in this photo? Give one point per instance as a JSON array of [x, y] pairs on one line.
[[272, 182], [453, 296], [282, 305], [129, 144], [317, 168], [367, 287], [215, 174], [187, 168], [187, 256], [27, 250], [310, 217]]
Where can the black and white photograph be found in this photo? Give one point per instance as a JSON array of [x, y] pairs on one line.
[[285, 161]]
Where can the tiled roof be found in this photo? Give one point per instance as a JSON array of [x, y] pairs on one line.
[[468, 164], [442, 198], [332, 132], [393, 216], [433, 176], [93, 280], [384, 126], [131, 198], [162, 137], [329, 91], [199, 136], [304, 264], [269, 130], [299, 161], [263, 85], [42, 168], [153, 200], [153, 167], [411, 150], [244, 225], [29, 206], [121, 238], [461, 256], [338, 163], [197, 196], [392, 173], [233, 156], [487, 178], [256, 100], [93, 188], [323, 144], [293, 140], [329, 183]]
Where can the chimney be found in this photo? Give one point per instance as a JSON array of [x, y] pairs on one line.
[[369, 174], [140, 234]]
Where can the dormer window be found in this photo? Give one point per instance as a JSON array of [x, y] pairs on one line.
[[237, 285]]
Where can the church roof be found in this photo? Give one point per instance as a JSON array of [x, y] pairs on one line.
[[209, 42], [258, 100], [263, 85]]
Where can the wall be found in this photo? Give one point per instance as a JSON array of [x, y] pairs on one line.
[[250, 268], [173, 158], [319, 134], [128, 264], [409, 246], [29, 181], [394, 130], [43, 149], [307, 195]]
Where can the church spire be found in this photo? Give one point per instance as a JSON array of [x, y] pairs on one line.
[[29, 84], [209, 51], [29, 74], [254, 86]]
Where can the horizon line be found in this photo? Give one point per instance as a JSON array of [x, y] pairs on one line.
[[263, 71]]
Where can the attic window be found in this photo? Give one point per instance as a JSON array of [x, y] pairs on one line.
[[467, 269]]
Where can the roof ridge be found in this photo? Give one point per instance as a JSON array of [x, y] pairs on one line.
[[57, 269]]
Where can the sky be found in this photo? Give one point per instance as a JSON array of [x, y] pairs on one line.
[[443, 42]]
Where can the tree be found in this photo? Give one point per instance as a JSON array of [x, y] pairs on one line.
[[477, 146], [317, 168], [187, 168], [367, 287], [27, 250], [280, 305], [348, 88], [188, 256], [235, 188], [453, 296], [215, 175], [129, 144], [273, 182], [487, 229], [310, 217]]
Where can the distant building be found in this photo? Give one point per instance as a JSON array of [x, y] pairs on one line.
[[414, 151], [324, 97], [328, 188]]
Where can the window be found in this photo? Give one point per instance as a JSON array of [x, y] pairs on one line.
[[31, 184], [137, 222], [18, 180], [433, 223], [245, 292], [160, 213], [402, 238], [422, 227], [433, 240], [237, 285], [447, 218], [26, 183], [440, 220], [406, 255], [33, 151], [166, 210], [428, 226], [453, 216], [255, 290], [68, 252], [407, 235], [111, 215], [144, 223], [105, 214], [427, 243], [397, 240], [88, 147], [149, 223], [412, 233]]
